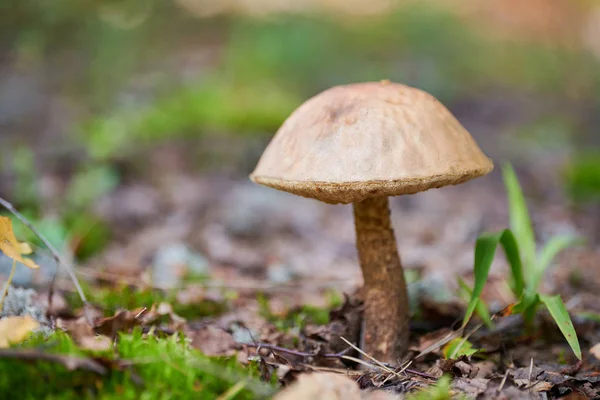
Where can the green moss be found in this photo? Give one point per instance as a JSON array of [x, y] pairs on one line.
[[168, 368], [298, 317], [116, 297]]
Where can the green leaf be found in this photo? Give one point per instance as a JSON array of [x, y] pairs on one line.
[[485, 249], [554, 246], [458, 347], [559, 313], [520, 222], [481, 308], [511, 250]]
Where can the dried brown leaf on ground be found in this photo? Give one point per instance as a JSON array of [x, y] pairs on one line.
[[122, 321], [459, 367], [163, 309], [595, 351], [556, 378], [84, 335], [330, 386], [471, 387], [16, 329], [344, 321], [213, 341]]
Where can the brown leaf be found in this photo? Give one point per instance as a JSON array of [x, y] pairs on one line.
[[534, 386], [84, 335], [213, 341], [460, 367], [122, 321], [344, 322], [471, 387], [16, 329], [324, 386]]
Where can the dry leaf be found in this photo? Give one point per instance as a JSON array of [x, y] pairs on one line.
[[471, 387], [11, 247], [122, 321], [323, 386], [16, 329], [213, 341], [84, 335], [595, 351]]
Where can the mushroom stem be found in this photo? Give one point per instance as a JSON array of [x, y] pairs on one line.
[[386, 312]]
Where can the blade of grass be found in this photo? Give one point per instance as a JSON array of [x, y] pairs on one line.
[[485, 250], [559, 313], [555, 245], [481, 309], [520, 222]]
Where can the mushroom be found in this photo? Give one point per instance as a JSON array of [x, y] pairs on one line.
[[359, 144]]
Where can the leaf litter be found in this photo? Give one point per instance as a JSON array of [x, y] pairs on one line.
[[298, 353]]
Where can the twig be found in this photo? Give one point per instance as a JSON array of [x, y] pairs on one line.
[[341, 354], [379, 363], [53, 251], [10, 278], [295, 352], [503, 382], [446, 339], [529, 375]]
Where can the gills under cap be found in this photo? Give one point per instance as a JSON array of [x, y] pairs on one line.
[[372, 139]]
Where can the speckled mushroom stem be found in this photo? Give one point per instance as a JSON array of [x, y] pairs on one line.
[[386, 312]]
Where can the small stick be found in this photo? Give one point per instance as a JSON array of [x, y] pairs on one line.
[[296, 352], [341, 354], [10, 278], [52, 250], [502, 383], [379, 363]]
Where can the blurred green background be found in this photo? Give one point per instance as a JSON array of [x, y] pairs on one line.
[[89, 89]]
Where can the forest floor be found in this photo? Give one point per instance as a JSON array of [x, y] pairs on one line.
[[266, 282]]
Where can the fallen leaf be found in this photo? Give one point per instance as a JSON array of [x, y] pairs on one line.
[[16, 329], [213, 341], [11, 247], [84, 335], [122, 321], [324, 386], [595, 351], [471, 387], [166, 309], [460, 367], [534, 386]]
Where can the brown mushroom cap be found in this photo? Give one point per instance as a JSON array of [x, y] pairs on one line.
[[373, 139]]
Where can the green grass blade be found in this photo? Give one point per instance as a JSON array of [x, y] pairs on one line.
[[559, 313], [520, 222], [481, 309], [554, 246], [511, 249], [485, 249]]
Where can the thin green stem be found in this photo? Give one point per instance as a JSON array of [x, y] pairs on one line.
[[10, 278]]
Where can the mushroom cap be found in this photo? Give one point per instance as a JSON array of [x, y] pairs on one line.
[[362, 140]]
